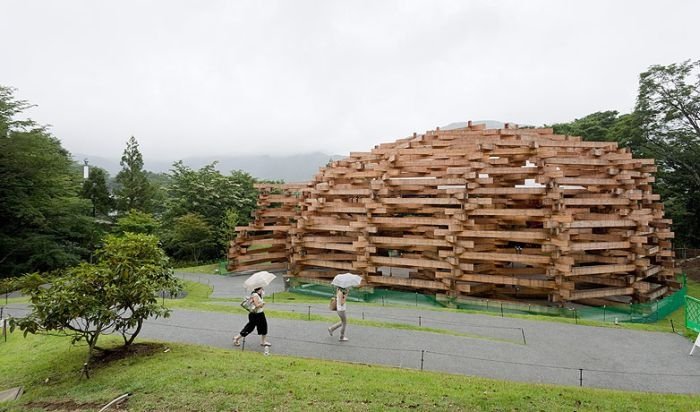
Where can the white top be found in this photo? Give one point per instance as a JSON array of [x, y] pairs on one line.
[[260, 302], [340, 300]]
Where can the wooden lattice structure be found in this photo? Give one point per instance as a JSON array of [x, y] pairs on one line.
[[509, 213], [265, 243]]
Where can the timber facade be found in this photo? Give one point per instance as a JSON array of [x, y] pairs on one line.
[[505, 213]]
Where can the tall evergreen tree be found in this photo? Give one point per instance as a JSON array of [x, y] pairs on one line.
[[134, 191]]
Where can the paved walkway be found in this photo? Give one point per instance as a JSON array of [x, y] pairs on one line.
[[502, 348]]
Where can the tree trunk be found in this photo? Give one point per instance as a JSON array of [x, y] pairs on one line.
[[136, 332], [92, 341]]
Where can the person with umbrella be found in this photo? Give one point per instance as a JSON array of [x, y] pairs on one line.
[[342, 284], [256, 316]]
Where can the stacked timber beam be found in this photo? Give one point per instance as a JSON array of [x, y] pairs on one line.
[[509, 213], [264, 243]]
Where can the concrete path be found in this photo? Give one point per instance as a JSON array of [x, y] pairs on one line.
[[230, 286], [502, 348]]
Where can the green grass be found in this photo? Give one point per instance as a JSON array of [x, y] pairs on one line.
[[210, 269], [189, 378], [21, 299]]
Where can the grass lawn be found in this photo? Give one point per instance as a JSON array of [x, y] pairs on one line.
[[196, 378], [211, 269]]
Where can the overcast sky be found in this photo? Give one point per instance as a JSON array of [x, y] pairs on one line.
[[249, 77]]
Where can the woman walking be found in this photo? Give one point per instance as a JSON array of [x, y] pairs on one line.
[[256, 319], [340, 298]]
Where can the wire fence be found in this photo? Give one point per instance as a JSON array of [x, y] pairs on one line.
[[650, 312]]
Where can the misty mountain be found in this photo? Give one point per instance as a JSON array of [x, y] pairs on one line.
[[294, 168]]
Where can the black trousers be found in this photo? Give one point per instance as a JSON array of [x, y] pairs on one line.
[[255, 320]]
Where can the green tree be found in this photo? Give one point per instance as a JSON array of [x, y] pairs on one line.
[[95, 188], [668, 108], [208, 194], [140, 270], [159, 183], [115, 295], [191, 237], [134, 191], [228, 228], [44, 224], [595, 126], [137, 222], [77, 304]]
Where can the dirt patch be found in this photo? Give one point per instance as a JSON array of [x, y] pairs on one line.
[[69, 405], [103, 357]]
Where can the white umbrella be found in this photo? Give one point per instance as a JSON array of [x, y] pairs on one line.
[[258, 279], [346, 280]]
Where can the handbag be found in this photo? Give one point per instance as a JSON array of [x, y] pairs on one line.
[[248, 304], [333, 305]]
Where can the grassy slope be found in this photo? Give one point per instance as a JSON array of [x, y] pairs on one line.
[[204, 378]]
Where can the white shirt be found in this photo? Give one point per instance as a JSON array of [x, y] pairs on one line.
[[339, 301]]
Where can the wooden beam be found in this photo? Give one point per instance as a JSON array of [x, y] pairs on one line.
[[601, 269], [596, 293]]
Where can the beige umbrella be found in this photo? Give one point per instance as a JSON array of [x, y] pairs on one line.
[[258, 280], [346, 280]]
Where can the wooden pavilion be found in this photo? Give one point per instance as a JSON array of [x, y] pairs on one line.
[[507, 213]]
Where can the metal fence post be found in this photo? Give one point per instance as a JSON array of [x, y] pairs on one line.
[[657, 310], [630, 311], [580, 377], [422, 357], [603, 313]]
